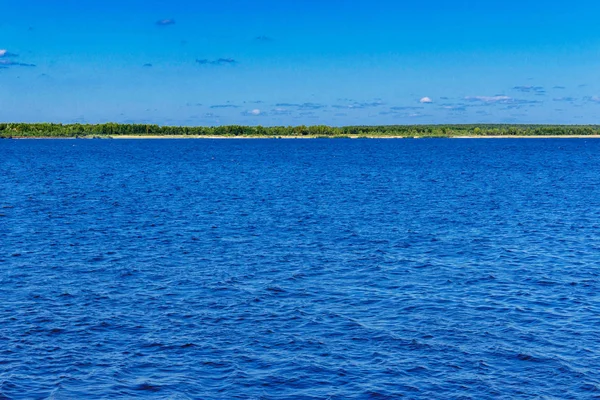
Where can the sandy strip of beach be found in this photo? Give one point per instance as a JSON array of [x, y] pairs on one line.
[[315, 137]]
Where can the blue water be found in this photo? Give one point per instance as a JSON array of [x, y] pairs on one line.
[[305, 269]]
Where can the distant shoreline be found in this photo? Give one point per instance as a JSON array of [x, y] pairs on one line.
[[159, 137], [147, 131]]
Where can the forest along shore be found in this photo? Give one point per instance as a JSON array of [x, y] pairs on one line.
[[190, 137], [142, 131]]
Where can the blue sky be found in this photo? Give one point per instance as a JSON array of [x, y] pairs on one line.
[[267, 62]]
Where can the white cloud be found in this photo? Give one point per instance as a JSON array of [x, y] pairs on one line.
[[256, 111], [500, 99], [454, 108], [6, 54], [165, 22], [426, 100], [489, 99]]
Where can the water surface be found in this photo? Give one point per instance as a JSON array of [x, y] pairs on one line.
[[309, 269]]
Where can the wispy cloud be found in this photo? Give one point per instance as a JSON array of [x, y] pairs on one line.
[[499, 99], [263, 38], [224, 106], [530, 89], [357, 105], [593, 99], [568, 99], [6, 60], [254, 113], [559, 87], [412, 115], [406, 108], [6, 53], [410, 111], [11, 63], [512, 107], [303, 106], [225, 61], [454, 107], [220, 61], [346, 106], [165, 22], [147, 65], [488, 99], [280, 111], [425, 100]]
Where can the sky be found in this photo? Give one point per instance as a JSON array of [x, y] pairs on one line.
[[310, 62]]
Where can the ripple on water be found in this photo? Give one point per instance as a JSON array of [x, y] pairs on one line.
[[300, 269]]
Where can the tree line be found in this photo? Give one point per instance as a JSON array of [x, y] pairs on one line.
[[10, 130]]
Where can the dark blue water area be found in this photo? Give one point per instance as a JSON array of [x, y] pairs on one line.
[[300, 269]]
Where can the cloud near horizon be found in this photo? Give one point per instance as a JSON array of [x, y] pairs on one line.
[[357, 105], [530, 89], [499, 99], [220, 61], [303, 106], [10, 63], [224, 106], [488, 99], [5, 53], [570, 99], [280, 111], [6, 62], [456, 107], [407, 108], [254, 113], [165, 22]]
